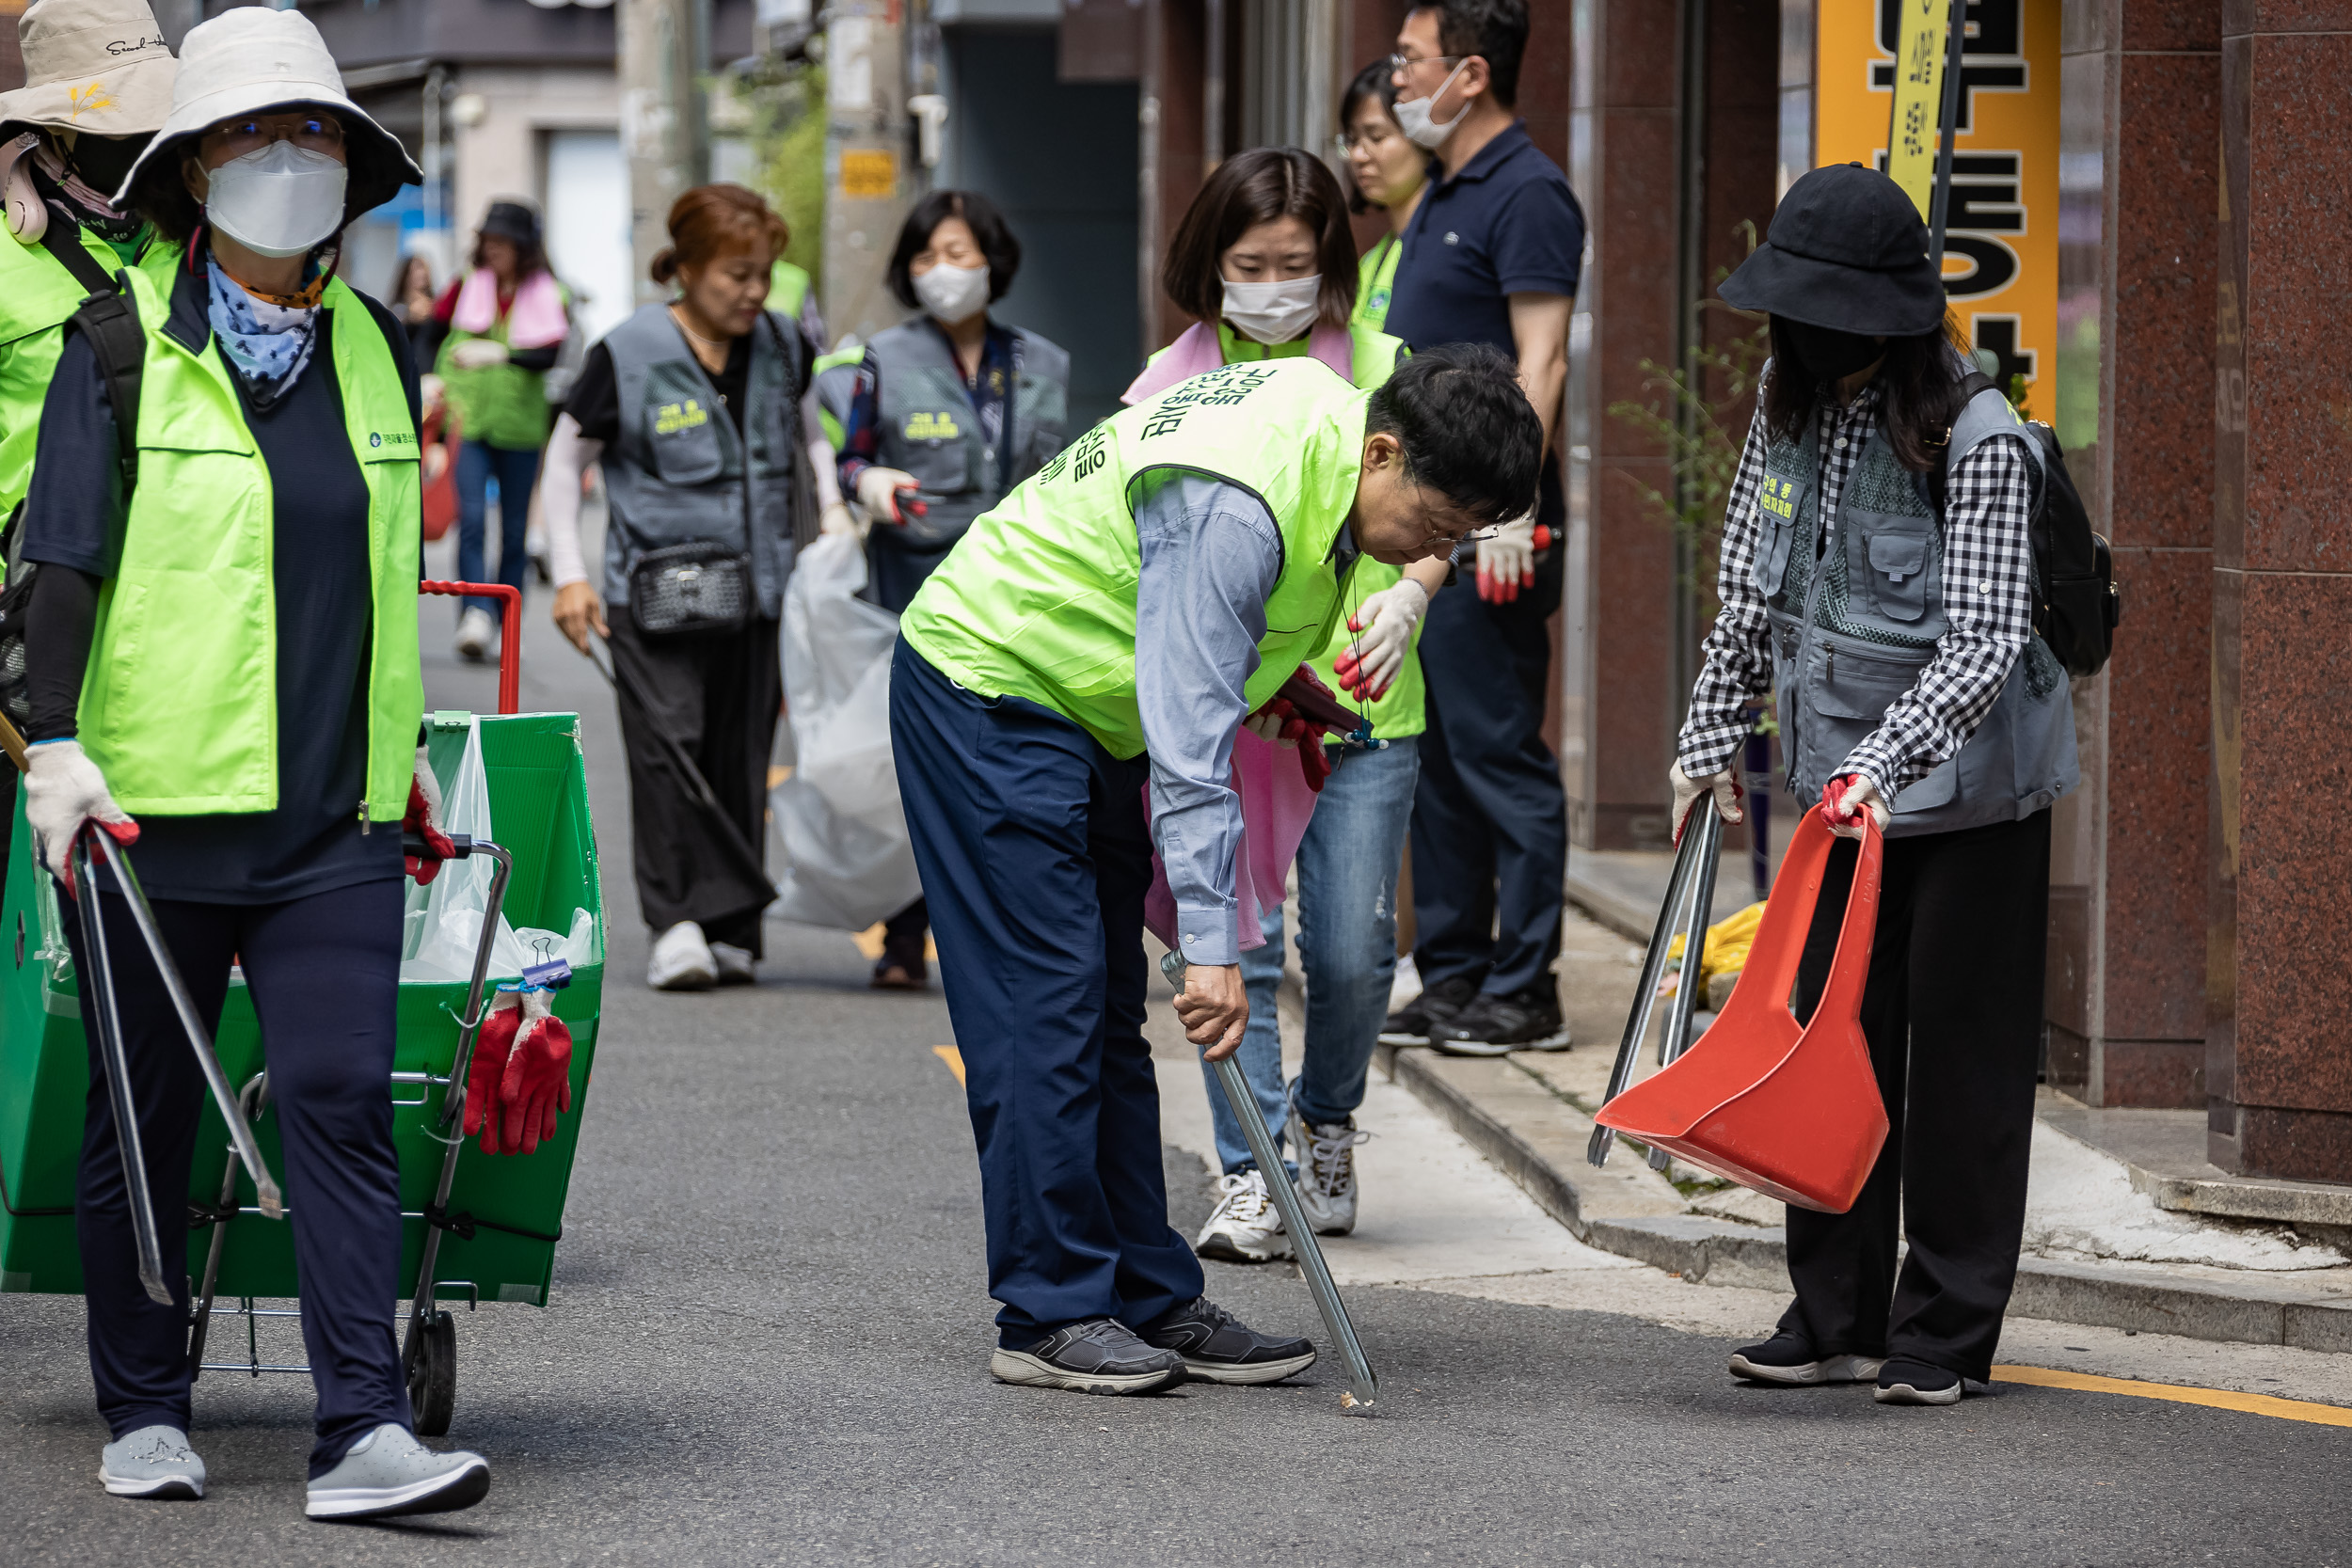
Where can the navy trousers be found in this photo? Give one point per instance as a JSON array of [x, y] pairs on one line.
[[1035, 859], [517, 469], [1490, 821], [324, 973]]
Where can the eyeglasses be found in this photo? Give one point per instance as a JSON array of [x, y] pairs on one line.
[[314, 131], [1400, 64]]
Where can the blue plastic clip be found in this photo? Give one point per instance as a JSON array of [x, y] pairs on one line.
[[552, 976]]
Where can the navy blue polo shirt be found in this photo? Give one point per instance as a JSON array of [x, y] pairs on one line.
[[1506, 224]]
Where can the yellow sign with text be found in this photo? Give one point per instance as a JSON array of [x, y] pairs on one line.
[[869, 173], [2000, 247]]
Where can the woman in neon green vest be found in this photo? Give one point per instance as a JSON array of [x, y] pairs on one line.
[[1389, 173], [222, 655], [1265, 252]]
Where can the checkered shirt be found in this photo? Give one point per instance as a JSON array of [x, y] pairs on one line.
[[1988, 606]]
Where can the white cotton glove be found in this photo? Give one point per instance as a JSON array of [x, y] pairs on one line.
[[1384, 623], [63, 789], [1506, 562], [1687, 789], [837, 518], [878, 492], [1845, 797], [1266, 727], [478, 353]]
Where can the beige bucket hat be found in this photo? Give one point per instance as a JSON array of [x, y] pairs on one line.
[[99, 66], [255, 60]]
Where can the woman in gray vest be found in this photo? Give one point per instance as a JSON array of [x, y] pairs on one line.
[[1877, 579], [949, 411], [693, 407]]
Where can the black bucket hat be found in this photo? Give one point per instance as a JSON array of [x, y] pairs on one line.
[[511, 220], [1846, 251]]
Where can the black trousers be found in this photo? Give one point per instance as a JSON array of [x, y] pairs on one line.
[[719, 697], [1490, 820], [325, 971], [1952, 1010]]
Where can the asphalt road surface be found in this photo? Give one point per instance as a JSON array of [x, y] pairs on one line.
[[768, 1337]]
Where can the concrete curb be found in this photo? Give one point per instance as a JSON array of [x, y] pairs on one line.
[[1538, 1140]]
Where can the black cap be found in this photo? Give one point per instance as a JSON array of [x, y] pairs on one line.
[[511, 220], [1846, 250]]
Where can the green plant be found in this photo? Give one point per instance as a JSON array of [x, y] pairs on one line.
[[788, 152]]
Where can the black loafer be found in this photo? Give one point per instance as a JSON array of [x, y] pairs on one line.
[[1219, 1347], [1904, 1381], [1101, 1356]]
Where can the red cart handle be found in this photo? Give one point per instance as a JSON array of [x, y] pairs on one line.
[[510, 632]]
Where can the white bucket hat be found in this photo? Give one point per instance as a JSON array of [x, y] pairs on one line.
[[254, 60], [99, 66]]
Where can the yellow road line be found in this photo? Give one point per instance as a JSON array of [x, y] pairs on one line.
[[954, 1060], [2253, 1404]]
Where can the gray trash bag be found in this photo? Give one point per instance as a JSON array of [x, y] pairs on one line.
[[847, 861]]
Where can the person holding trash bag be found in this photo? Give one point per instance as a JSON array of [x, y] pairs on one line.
[[501, 325], [1264, 253], [259, 741], [949, 411], [1105, 630], [1877, 578], [693, 409]]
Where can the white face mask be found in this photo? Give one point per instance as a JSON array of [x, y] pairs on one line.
[[1272, 312], [1412, 117], [280, 200], [953, 293]]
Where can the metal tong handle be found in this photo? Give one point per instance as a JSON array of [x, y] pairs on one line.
[[266, 1195], [1695, 872], [116, 1068], [1363, 1395]]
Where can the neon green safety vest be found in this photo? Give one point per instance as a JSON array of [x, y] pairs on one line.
[[1039, 599], [179, 704], [37, 295], [500, 405], [1375, 281], [788, 288], [835, 377]]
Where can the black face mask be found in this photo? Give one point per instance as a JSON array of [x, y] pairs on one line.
[[103, 162], [1827, 353]]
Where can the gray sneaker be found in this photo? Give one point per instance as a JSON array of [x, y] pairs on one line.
[[153, 1462], [1101, 1356], [1327, 1171], [388, 1472]]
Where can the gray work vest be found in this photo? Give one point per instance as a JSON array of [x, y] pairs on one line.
[[1852, 629], [928, 426], [677, 475]]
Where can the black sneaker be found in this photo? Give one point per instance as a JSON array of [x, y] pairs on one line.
[[1497, 1025], [1101, 1356], [1787, 1359], [1904, 1381], [1411, 1024], [1220, 1348]]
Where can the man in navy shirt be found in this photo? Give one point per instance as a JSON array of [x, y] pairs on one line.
[[1491, 256]]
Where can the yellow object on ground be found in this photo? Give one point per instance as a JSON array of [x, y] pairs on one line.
[[2217, 1399], [1728, 943]]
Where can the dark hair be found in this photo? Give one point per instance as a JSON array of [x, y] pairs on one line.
[[1494, 30], [1247, 189], [1918, 389], [399, 293], [1467, 428], [1375, 80], [713, 219], [530, 256], [989, 230]]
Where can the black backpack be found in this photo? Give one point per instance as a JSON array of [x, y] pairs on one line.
[[2077, 605], [111, 323]]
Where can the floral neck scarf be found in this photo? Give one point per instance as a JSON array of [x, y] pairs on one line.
[[266, 339]]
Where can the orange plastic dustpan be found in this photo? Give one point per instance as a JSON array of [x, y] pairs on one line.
[[1792, 1111]]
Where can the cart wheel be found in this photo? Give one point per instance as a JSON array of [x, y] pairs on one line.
[[432, 1358]]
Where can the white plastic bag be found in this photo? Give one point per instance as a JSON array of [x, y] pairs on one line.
[[444, 920], [847, 861]]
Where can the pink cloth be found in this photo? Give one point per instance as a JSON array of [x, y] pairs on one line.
[[1276, 805], [1196, 349], [534, 320]]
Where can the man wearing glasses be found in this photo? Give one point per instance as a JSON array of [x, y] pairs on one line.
[[1491, 256], [1102, 632]]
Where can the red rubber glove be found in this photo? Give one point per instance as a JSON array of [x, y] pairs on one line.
[[492, 1045], [424, 817], [1846, 798], [538, 1080]]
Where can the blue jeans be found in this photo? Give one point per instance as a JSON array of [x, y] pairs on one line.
[[517, 471], [1347, 866]]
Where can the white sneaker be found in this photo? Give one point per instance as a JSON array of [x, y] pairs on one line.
[[1245, 1227], [475, 631], [153, 1462], [1327, 1171], [735, 965], [388, 1472], [682, 961]]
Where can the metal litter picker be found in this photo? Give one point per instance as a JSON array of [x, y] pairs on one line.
[[1364, 1393]]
